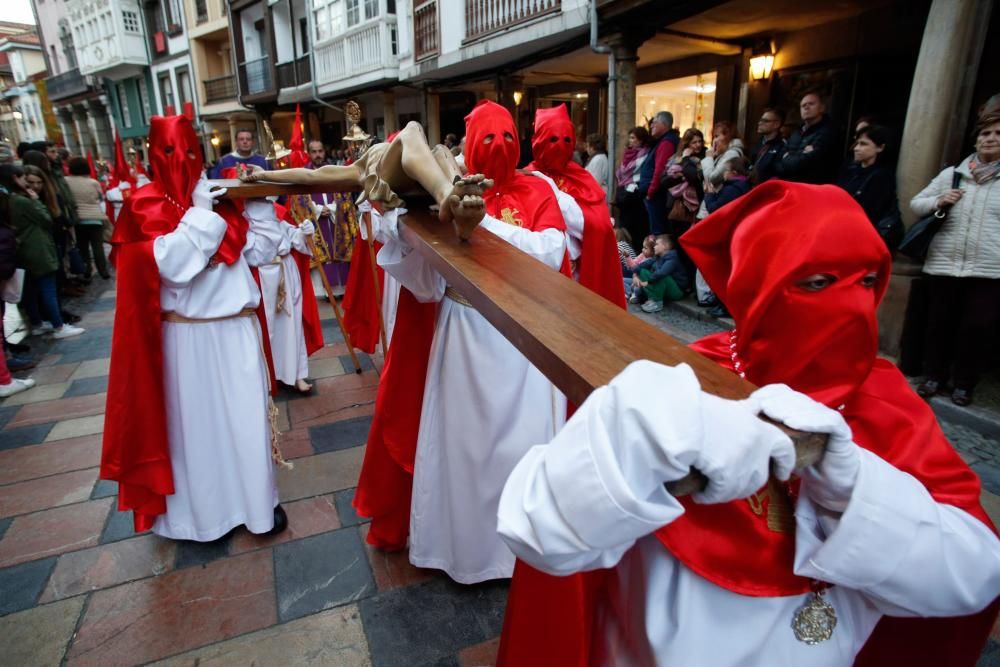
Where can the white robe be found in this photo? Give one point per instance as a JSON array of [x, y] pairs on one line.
[[216, 382], [484, 404], [591, 498], [284, 327]]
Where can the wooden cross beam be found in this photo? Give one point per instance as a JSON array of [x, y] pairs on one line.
[[577, 339]]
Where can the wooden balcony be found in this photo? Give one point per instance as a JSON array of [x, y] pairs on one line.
[[485, 17], [364, 51], [294, 73], [426, 29], [220, 89]]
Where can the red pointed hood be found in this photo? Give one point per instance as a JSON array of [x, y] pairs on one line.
[[491, 144], [175, 157], [824, 342], [298, 158], [121, 172], [554, 140]]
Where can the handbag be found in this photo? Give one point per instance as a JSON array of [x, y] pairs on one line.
[[891, 228], [918, 237], [76, 265], [13, 287]]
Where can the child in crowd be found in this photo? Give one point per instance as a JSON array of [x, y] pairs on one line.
[[661, 277], [735, 184], [625, 251], [630, 265]]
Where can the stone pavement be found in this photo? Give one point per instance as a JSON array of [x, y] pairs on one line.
[[77, 587]]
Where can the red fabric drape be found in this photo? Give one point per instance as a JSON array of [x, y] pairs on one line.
[[361, 316]]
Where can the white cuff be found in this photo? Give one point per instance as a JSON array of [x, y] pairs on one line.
[[866, 545]]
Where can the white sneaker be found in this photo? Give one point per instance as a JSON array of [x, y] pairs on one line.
[[16, 386], [68, 331], [42, 329]]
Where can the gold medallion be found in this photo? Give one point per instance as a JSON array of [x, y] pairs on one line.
[[815, 620]]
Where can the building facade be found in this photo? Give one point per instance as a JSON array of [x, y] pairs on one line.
[[22, 116]]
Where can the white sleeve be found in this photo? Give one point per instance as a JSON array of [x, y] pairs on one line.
[[572, 215], [547, 246], [925, 202], [581, 501], [909, 554], [411, 270], [265, 234], [295, 237], [184, 253]]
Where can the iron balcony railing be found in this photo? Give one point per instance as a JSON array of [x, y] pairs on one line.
[[66, 85], [220, 89], [483, 17], [425, 30]]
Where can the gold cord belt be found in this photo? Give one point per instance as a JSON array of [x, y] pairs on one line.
[[453, 294], [170, 316]]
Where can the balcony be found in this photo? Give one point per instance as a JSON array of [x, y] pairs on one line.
[[255, 76], [485, 17], [364, 54], [294, 73], [108, 37], [425, 30], [220, 89]]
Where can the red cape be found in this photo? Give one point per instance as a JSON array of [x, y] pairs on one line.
[[551, 620], [383, 492], [386, 481], [311, 325], [361, 316], [598, 266], [135, 452]]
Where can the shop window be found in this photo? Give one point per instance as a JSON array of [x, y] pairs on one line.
[[691, 100]]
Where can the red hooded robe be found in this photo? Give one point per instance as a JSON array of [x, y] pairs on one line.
[[383, 491], [824, 344], [135, 451], [552, 147]]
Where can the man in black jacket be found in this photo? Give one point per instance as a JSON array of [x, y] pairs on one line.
[[770, 148], [812, 154]]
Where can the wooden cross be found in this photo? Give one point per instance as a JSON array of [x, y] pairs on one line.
[[577, 339]]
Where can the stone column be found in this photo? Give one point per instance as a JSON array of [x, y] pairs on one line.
[[233, 128], [947, 66], [389, 117], [941, 93], [621, 92], [68, 137], [432, 104]]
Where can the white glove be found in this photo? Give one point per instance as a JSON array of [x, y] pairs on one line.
[[830, 482], [631, 187], [307, 228], [204, 196], [737, 450], [124, 185]]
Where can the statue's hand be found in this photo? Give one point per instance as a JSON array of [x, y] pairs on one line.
[[251, 175], [464, 206]]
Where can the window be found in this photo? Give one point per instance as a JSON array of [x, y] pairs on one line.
[[176, 15], [123, 104], [131, 21], [147, 110], [66, 39], [201, 9], [393, 40], [304, 35], [390, 6], [54, 59], [371, 9], [184, 87], [329, 18], [353, 12], [166, 92]]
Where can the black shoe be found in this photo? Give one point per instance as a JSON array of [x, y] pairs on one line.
[[18, 348], [69, 317], [105, 276], [280, 521], [961, 397], [928, 388], [15, 364], [719, 311]]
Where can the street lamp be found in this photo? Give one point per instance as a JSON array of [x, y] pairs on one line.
[[760, 67], [518, 96]]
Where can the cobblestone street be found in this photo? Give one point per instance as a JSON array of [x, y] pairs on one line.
[[77, 587]]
